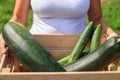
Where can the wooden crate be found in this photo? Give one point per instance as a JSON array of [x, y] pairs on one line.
[[59, 46]]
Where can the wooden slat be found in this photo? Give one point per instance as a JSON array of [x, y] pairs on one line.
[[57, 41], [16, 66], [62, 76], [60, 41], [2, 63], [118, 69], [57, 54], [6, 70]]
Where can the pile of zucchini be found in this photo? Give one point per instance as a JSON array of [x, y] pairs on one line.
[[37, 59]]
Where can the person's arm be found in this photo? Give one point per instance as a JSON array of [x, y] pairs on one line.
[[20, 15], [21, 10], [95, 14]]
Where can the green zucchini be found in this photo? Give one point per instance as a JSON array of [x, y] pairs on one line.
[[98, 59], [81, 43], [28, 50], [95, 41]]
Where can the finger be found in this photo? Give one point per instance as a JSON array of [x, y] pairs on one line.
[[112, 35]]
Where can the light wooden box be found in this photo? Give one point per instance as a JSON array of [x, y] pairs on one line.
[[59, 46]]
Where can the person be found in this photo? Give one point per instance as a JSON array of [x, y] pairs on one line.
[[58, 17]]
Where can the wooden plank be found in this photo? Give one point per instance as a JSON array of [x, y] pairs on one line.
[[60, 41], [16, 66], [57, 54], [2, 63], [118, 69], [6, 70], [113, 75], [57, 41]]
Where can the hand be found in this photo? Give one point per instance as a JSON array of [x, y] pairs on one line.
[[3, 47], [105, 37], [112, 35], [117, 60]]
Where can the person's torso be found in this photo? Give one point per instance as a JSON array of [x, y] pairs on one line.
[[62, 16]]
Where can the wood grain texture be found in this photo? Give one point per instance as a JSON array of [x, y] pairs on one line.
[[62, 76], [57, 41]]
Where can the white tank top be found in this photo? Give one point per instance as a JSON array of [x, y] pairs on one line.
[[59, 16]]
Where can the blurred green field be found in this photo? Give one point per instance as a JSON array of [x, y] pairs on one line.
[[110, 10], [6, 11]]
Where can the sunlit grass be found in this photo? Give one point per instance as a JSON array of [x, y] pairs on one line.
[[6, 11], [111, 12]]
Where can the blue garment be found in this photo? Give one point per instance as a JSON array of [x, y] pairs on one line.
[[59, 16]]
